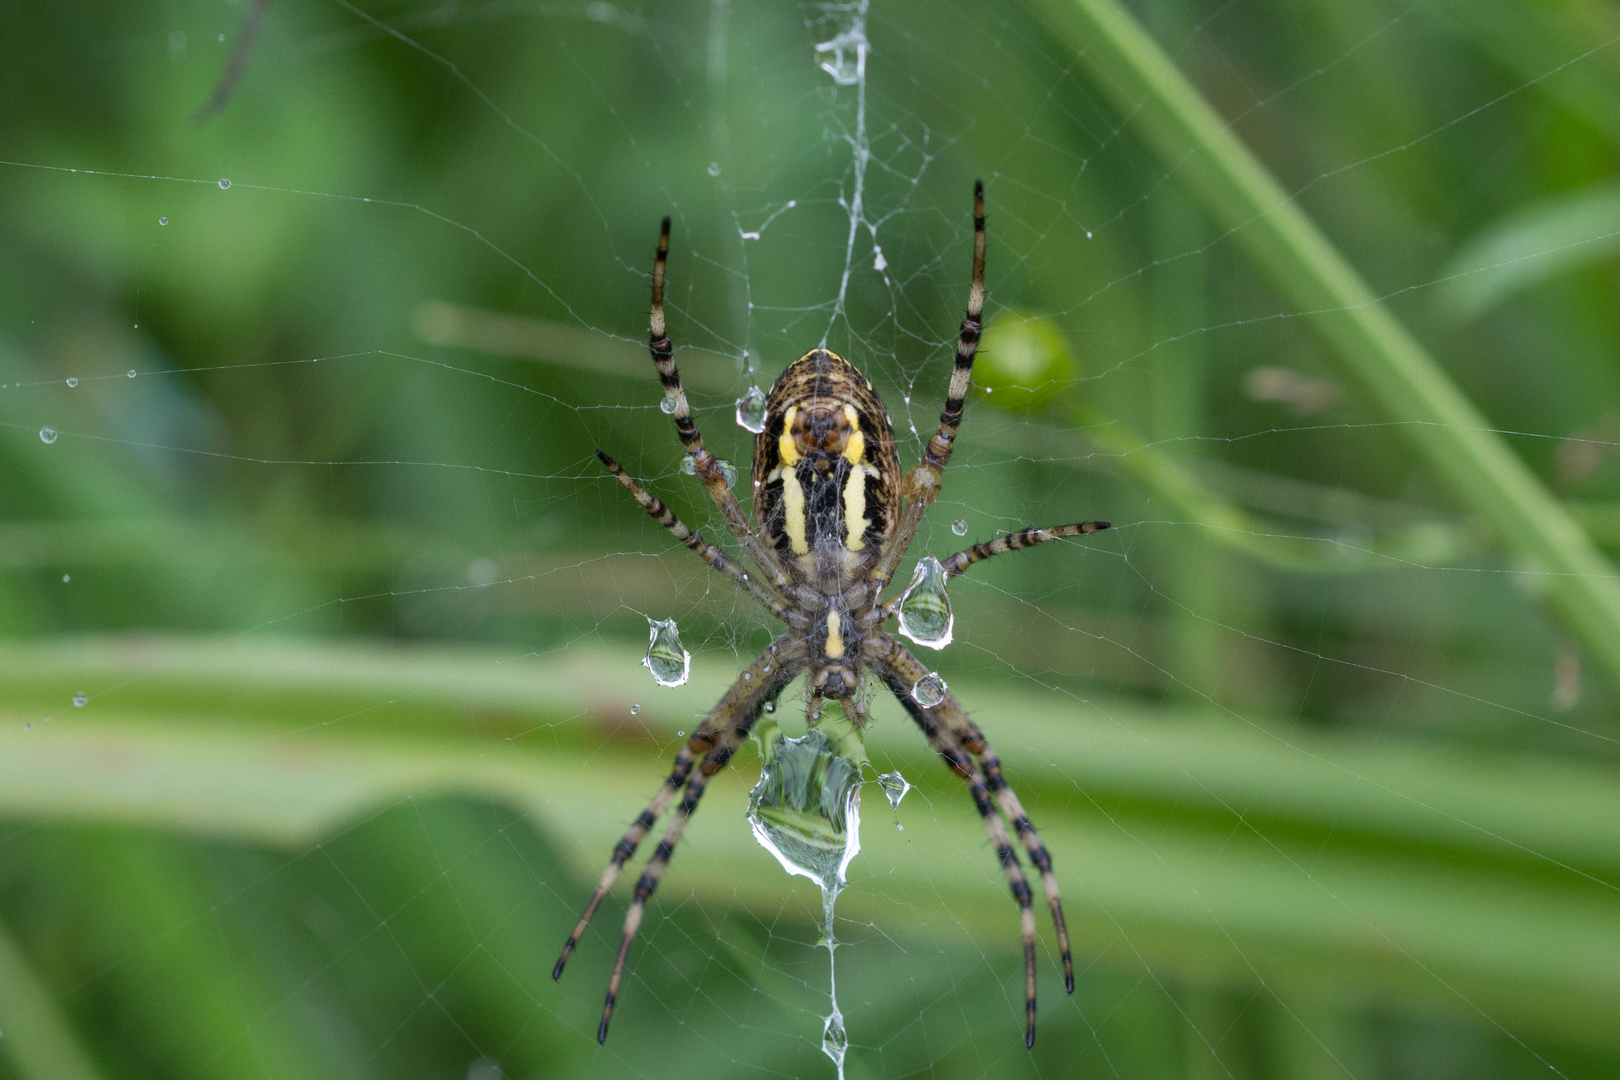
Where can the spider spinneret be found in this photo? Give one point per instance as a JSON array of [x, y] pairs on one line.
[[833, 517]]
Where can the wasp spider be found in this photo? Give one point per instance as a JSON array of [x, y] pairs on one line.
[[834, 517]]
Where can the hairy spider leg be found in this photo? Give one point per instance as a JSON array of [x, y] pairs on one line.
[[1024, 538], [705, 464], [922, 483], [949, 747], [1017, 541], [710, 554], [746, 697], [901, 671]]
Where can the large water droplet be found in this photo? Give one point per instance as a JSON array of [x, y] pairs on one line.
[[806, 810], [667, 405], [929, 690], [80, 699], [894, 786], [751, 410], [925, 608], [959, 527], [669, 663], [47, 435]]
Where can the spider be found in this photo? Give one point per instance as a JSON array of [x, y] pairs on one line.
[[834, 517]]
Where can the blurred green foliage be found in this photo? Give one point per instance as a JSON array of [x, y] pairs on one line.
[[320, 536]]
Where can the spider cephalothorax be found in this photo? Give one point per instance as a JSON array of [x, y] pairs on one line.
[[833, 517]]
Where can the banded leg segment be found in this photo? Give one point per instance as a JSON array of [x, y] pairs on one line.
[[706, 464], [1017, 541], [710, 554], [761, 681], [922, 484], [728, 737], [949, 747], [900, 671]]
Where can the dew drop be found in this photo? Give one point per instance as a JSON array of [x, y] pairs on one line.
[[634, 709], [689, 465], [751, 410], [728, 471], [894, 786], [163, 221], [80, 699], [47, 435], [682, 734], [925, 607], [1088, 234], [959, 527], [929, 691], [668, 661], [714, 168], [66, 578], [28, 726], [72, 381], [667, 406], [770, 706], [131, 373], [224, 185]]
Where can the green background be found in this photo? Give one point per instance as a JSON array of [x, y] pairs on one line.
[[1322, 736]]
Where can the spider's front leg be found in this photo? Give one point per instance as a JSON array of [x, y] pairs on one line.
[[711, 746], [922, 483], [947, 726], [706, 465]]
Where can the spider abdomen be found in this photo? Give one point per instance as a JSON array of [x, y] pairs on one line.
[[826, 478]]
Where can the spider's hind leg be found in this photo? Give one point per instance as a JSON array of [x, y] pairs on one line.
[[945, 743]]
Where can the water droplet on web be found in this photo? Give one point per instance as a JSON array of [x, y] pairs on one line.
[[28, 726], [714, 168], [751, 410], [1088, 234], [929, 691], [667, 406], [668, 661], [163, 221], [728, 471], [224, 184], [834, 1039], [894, 786], [131, 373], [222, 39], [72, 381], [80, 699], [959, 527], [689, 465], [66, 578], [879, 263], [47, 435], [634, 709], [806, 810], [925, 607], [682, 734]]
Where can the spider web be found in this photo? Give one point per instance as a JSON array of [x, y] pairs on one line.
[[302, 395]]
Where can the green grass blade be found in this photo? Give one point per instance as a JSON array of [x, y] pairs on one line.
[[35, 1035], [1393, 369]]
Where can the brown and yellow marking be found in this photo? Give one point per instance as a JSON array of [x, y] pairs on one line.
[[835, 635], [855, 445], [855, 522], [787, 443], [793, 513]]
